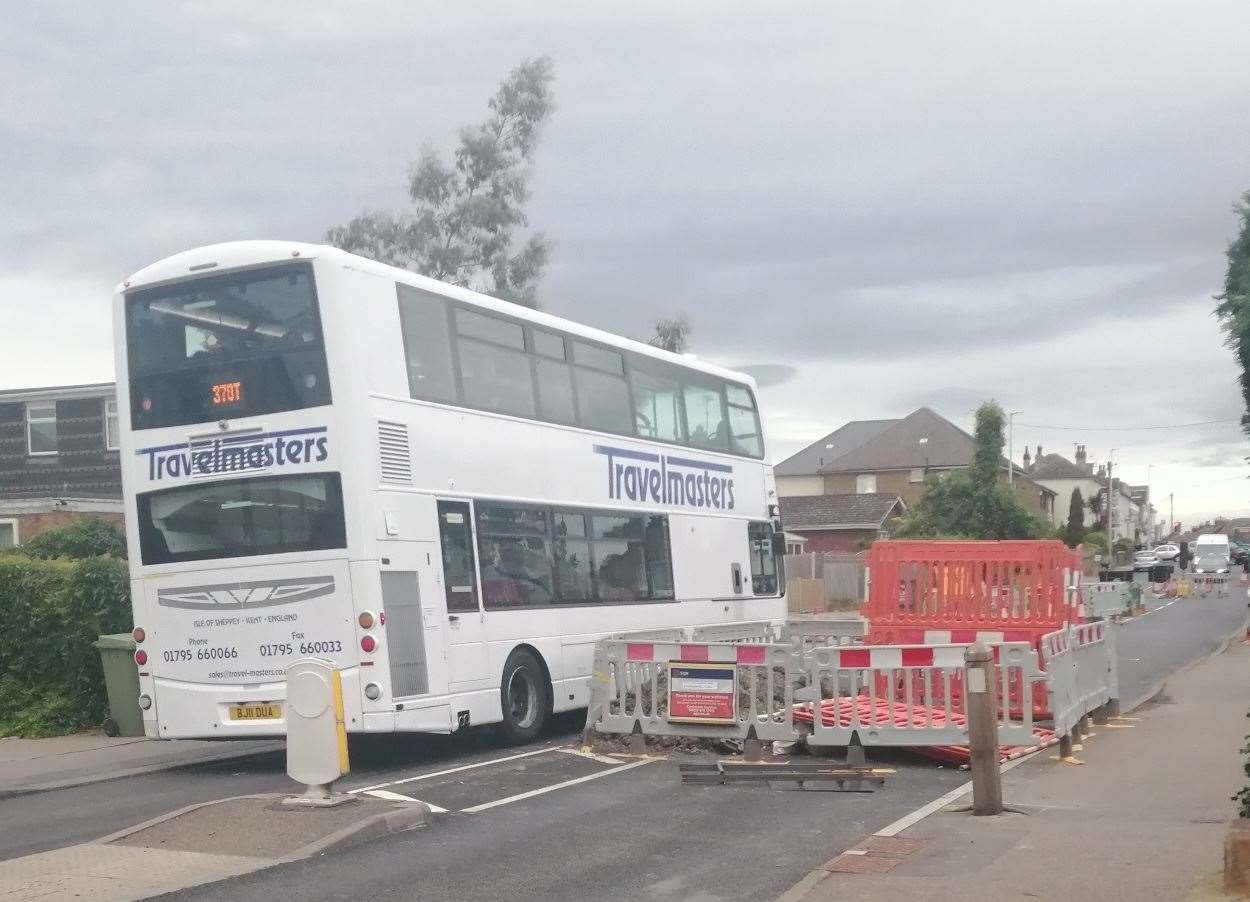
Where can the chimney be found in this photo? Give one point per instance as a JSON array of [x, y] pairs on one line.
[[1080, 455], [1027, 459]]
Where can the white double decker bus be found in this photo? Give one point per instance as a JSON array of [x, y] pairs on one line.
[[450, 496]]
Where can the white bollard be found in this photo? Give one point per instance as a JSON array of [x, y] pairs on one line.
[[316, 736]]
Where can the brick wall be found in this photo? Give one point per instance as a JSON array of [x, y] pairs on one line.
[[837, 539], [31, 525], [898, 482], [895, 482]]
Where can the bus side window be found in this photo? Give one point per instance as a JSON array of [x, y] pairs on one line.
[[427, 345], [459, 564]]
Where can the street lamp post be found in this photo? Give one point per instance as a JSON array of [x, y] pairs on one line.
[[1011, 447]]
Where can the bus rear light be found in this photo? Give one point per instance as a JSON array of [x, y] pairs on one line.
[[368, 643], [373, 692], [145, 702], [141, 657], [138, 635], [366, 620]]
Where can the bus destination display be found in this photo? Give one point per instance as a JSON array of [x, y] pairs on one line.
[[227, 393]]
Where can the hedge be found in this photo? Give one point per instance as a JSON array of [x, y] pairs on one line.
[[51, 612], [86, 537]]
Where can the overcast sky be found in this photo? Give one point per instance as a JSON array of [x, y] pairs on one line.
[[873, 206]]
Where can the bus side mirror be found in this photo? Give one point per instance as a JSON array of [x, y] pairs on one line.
[[779, 544]]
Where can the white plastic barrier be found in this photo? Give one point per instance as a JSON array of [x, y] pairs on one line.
[[706, 690], [1081, 664], [1107, 599], [807, 633]]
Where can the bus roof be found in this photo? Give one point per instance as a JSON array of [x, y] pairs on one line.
[[231, 255]]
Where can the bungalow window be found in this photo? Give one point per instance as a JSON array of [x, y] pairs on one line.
[[865, 483], [41, 428]]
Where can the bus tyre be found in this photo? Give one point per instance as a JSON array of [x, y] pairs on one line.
[[525, 698]]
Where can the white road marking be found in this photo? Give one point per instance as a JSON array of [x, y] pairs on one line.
[[396, 797], [909, 820], [537, 792], [604, 759], [456, 770]]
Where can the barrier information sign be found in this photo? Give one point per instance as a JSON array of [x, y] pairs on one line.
[[702, 693]]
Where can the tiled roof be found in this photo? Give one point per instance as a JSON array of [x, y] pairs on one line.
[[920, 439], [867, 511], [1056, 466], [811, 459]]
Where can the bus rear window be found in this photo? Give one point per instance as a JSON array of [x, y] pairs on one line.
[[223, 347], [241, 518]]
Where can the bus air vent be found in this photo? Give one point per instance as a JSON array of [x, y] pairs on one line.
[[394, 453]]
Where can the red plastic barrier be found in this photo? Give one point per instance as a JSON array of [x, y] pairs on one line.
[[936, 592], [987, 586]]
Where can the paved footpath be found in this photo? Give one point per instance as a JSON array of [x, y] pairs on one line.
[[36, 765], [1143, 818]]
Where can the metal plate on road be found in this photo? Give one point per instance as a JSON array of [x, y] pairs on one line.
[[265, 711]]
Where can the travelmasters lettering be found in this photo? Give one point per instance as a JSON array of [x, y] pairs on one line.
[[668, 479], [237, 454]]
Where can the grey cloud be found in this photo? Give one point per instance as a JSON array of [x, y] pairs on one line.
[[767, 375], [874, 205]]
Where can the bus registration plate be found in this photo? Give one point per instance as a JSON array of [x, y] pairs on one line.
[[702, 693], [263, 711]]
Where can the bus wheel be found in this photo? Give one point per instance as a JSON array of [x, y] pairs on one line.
[[524, 696]]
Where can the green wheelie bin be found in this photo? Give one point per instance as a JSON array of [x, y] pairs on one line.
[[121, 682]]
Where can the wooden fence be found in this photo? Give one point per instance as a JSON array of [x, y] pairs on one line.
[[826, 581]]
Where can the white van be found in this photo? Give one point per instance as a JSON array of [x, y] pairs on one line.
[[1212, 546]]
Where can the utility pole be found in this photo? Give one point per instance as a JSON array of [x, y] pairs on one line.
[[1011, 447], [1110, 501], [1171, 516], [1150, 523]]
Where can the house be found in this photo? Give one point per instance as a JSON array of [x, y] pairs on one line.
[[59, 458], [1131, 511], [894, 457], [1061, 476], [847, 522]]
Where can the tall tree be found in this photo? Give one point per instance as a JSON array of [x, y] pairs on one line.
[[973, 503], [1074, 531], [466, 215], [672, 334], [987, 454], [1234, 303]]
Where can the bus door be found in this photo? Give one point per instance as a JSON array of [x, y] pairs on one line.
[[467, 662]]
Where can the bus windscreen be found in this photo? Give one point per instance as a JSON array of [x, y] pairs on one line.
[[223, 347]]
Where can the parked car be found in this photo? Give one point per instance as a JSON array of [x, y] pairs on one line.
[[1144, 560], [1239, 553], [1211, 561], [1168, 552]]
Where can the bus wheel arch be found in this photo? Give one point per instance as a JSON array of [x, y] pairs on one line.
[[525, 694]]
